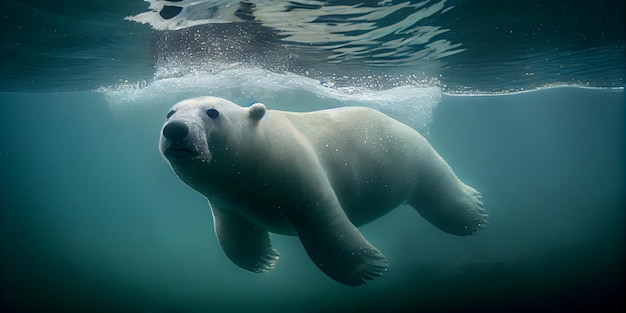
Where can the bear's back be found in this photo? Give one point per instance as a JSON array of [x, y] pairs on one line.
[[370, 159]]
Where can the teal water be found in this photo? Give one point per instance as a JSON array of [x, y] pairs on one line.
[[92, 219]]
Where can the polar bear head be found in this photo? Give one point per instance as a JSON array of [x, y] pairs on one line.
[[196, 127]]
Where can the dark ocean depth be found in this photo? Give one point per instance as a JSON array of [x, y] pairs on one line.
[[93, 219]]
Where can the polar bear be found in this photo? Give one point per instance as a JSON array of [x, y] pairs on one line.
[[316, 175]]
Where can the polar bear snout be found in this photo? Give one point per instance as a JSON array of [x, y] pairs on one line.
[[175, 131], [180, 140]]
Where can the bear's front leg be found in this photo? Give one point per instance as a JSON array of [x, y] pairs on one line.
[[245, 244]]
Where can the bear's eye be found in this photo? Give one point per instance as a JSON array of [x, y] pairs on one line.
[[170, 113], [212, 113]]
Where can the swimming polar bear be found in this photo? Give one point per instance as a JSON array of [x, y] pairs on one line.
[[317, 175]]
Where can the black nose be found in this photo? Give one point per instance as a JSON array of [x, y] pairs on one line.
[[175, 131]]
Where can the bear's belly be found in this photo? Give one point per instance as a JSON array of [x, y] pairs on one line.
[[367, 210], [361, 205], [273, 224], [270, 219], [365, 200], [359, 215]]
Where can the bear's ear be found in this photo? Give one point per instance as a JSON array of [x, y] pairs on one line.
[[256, 111]]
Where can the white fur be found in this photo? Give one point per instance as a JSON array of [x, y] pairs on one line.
[[317, 175]]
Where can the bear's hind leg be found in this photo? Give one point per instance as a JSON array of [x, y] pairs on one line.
[[457, 210]]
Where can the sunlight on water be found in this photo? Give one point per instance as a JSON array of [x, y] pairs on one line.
[[380, 33], [182, 14], [411, 103]]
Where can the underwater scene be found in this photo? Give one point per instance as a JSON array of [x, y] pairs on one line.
[[524, 100]]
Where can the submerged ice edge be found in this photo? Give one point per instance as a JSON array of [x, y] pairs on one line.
[[466, 92], [409, 102]]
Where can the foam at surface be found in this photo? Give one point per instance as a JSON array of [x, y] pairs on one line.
[[410, 102]]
